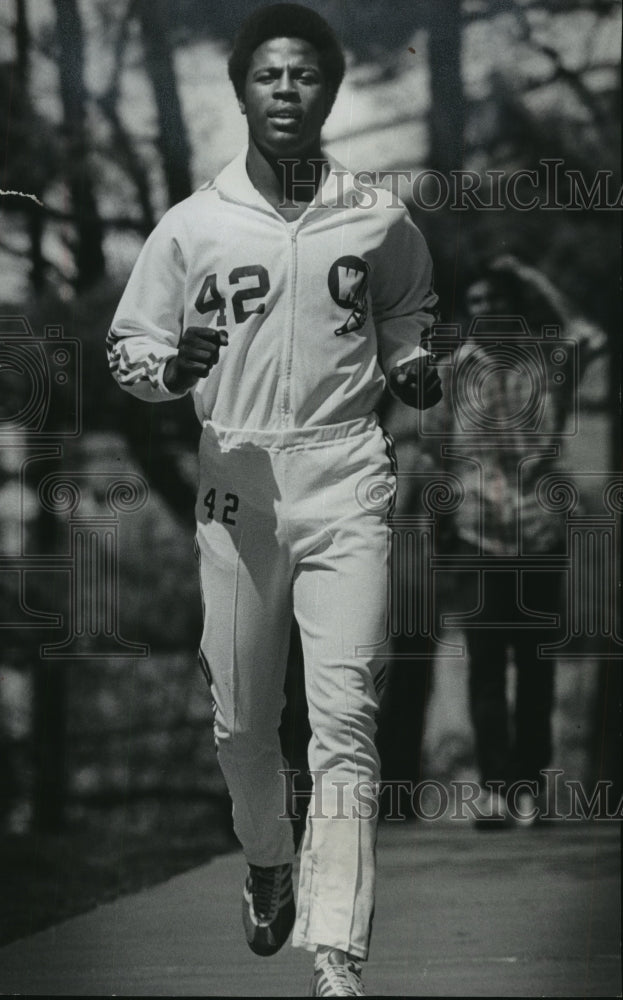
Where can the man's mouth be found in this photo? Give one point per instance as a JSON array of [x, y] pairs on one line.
[[288, 116]]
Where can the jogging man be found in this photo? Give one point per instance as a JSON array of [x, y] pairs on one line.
[[284, 305]]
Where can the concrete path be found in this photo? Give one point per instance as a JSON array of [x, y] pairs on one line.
[[459, 913]]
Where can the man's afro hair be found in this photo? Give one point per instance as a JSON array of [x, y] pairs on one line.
[[286, 20]]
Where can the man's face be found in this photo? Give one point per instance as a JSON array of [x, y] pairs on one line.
[[286, 98], [483, 299]]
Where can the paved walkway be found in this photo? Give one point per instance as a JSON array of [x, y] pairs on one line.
[[459, 913]]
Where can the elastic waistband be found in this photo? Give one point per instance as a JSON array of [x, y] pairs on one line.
[[298, 437]]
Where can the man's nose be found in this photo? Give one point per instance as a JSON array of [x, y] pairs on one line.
[[284, 86]]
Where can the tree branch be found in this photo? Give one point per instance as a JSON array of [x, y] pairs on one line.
[[561, 72], [131, 161]]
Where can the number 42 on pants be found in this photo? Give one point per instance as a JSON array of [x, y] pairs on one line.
[[221, 511]]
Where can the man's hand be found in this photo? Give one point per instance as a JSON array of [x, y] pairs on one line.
[[197, 353], [417, 383]]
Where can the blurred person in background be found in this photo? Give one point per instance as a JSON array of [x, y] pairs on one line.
[[507, 376]]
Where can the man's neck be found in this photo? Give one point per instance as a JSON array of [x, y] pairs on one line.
[[288, 184]]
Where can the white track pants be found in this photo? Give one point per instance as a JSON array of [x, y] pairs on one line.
[[296, 523]]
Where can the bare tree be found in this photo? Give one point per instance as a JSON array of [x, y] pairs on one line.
[[446, 116], [89, 253], [123, 145], [20, 116], [173, 141]]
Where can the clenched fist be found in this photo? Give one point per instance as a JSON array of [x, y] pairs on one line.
[[417, 382], [197, 353]]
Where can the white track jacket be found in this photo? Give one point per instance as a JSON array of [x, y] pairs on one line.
[[317, 311]]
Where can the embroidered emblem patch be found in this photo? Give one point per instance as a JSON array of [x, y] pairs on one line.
[[348, 285]]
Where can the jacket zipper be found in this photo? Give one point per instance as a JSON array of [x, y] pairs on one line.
[[289, 347]]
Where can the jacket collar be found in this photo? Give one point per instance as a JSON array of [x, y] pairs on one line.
[[234, 184]]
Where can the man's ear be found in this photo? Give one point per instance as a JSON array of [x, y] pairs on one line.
[[242, 106]]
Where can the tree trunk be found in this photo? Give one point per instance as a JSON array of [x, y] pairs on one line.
[[49, 699], [128, 156], [446, 134], [89, 252], [409, 679], [35, 232], [446, 86], [33, 211], [173, 141], [49, 741], [22, 41]]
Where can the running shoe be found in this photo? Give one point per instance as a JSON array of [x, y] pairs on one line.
[[268, 908], [337, 975]]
